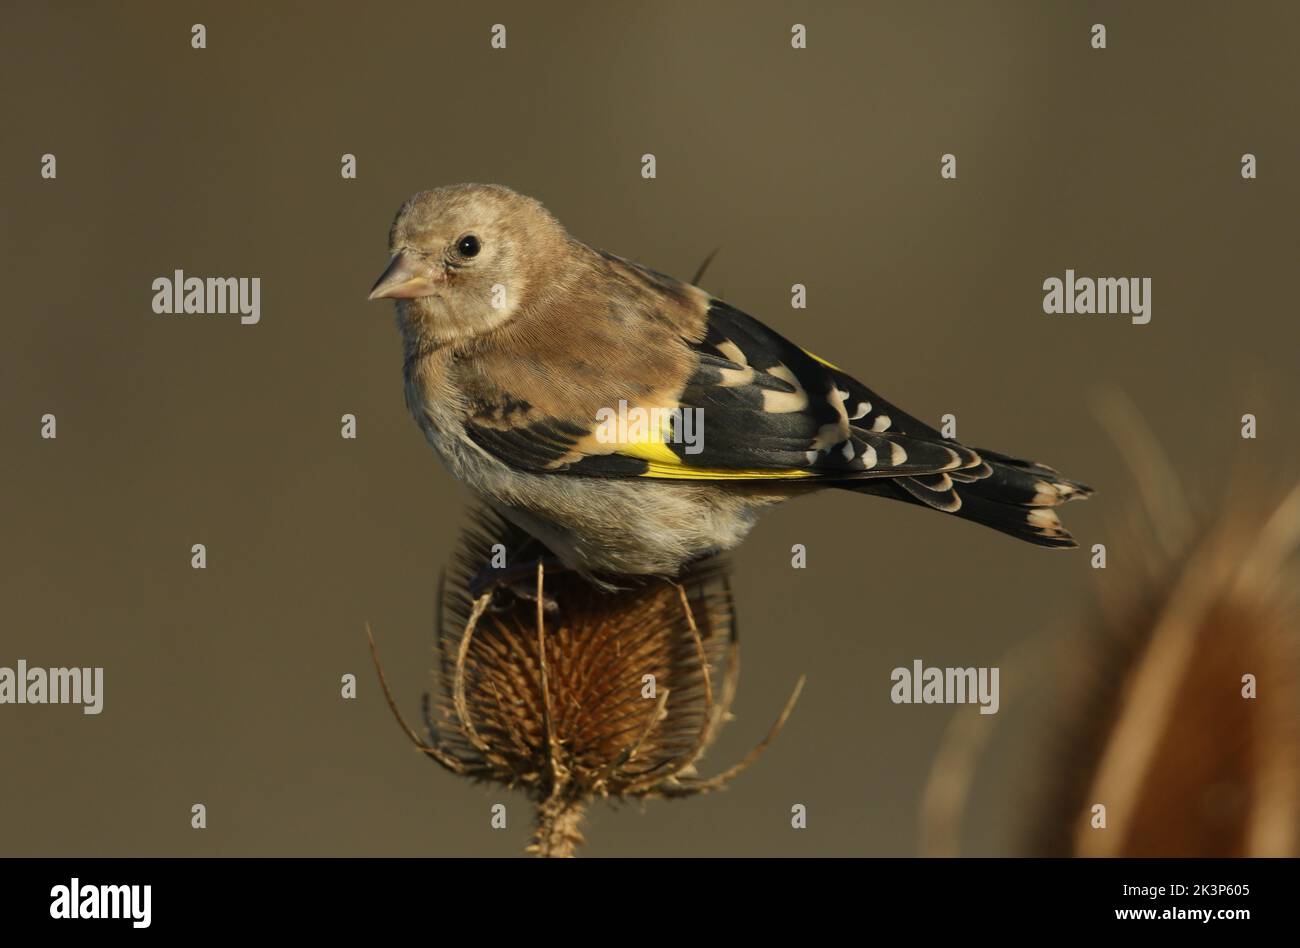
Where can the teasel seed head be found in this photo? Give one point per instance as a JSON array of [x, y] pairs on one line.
[[572, 692]]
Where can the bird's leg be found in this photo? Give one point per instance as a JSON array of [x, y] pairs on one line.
[[518, 581]]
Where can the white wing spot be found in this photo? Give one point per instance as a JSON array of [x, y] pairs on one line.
[[734, 378], [1045, 495], [881, 423], [1044, 519], [732, 351], [781, 403]]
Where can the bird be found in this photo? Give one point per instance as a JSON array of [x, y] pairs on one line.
[[561, 383]]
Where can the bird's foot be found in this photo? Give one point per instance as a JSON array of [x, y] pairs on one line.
[[511, 584]]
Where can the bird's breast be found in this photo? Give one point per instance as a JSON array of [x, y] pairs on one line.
[[433, 399]]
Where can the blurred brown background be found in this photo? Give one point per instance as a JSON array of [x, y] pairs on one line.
[[818, 166]]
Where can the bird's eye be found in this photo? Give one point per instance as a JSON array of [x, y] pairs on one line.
[[468, 246]]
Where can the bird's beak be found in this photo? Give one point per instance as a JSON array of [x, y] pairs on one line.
[[406, 278]]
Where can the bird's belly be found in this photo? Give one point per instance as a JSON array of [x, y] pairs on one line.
[[615, 526], [608, 525]]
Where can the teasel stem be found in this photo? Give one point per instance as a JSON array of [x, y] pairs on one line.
[[559, 820]]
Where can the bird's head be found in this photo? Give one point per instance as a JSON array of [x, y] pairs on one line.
[[466, 258]]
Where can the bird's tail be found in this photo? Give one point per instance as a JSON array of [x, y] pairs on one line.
[[1008, 494]]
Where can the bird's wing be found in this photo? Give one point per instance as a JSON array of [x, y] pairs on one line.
[[768, 406], [745, 405]]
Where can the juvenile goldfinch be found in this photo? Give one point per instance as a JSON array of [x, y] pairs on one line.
[[522, 345]]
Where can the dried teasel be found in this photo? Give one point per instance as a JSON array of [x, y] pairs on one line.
[[1183, 719], [1151, 715], [574, 693]]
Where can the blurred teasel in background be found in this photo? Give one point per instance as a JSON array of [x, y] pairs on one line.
[[1177, 706]]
